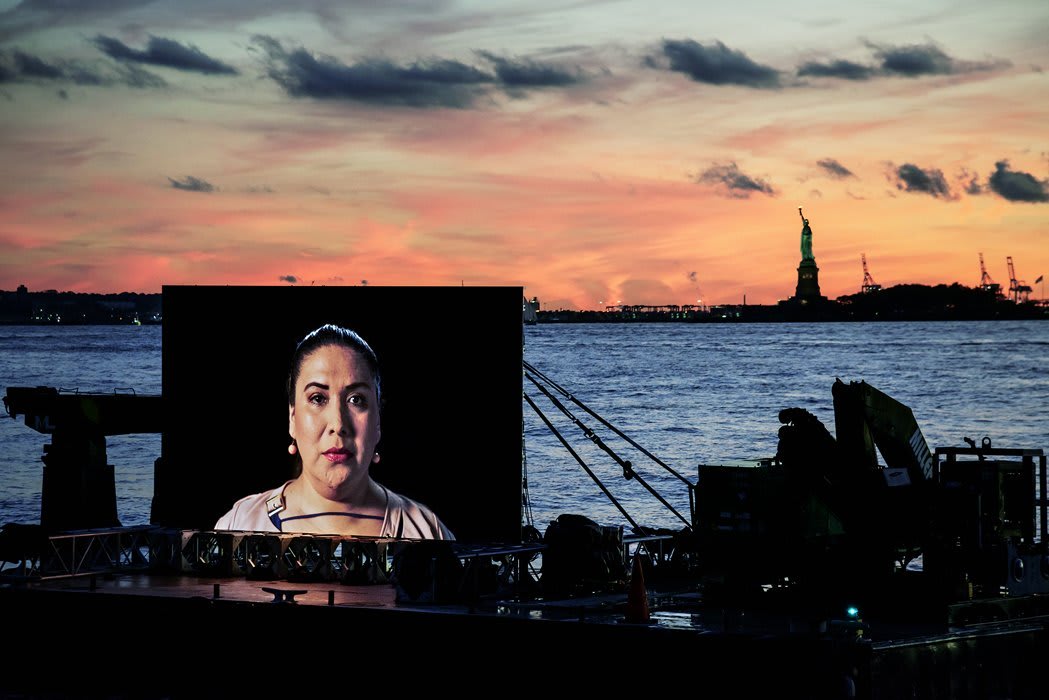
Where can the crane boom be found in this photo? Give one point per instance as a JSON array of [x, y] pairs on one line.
[[985, 279], [869, 285], [1018, 288], [986, 283]]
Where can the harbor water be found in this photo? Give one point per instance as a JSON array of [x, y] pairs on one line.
[[689, 393]]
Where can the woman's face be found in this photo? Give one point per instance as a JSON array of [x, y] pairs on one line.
[[335, 419]]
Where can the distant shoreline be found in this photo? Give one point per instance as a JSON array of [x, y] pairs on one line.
[[908, 302], [598, 317], [51, 308], [900, 303]]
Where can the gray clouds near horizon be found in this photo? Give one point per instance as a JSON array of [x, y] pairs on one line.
[[909, 61], [191, 184], [164, 52], [448, 82], [432, 83], [17, 66], [1011, 185], [736, 184], [846, 70], [834, 169], [1017, 186], [925, 59], [715, 64], [911, 178], [525, 73]]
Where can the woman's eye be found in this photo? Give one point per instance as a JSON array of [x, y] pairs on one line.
[[357, 400], [317, 399]]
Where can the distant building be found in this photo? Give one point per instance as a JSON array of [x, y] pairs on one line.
[[529, 310]]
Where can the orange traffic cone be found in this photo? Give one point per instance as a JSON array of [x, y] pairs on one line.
[[637, 596]]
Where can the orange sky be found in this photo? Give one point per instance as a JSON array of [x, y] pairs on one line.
[[602, 153]]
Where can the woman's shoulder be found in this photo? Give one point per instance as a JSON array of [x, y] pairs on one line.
[[253, 511], [407, 518]]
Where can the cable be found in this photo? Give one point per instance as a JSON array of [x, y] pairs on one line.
[[628, 469], [564, 392], [580, 460]]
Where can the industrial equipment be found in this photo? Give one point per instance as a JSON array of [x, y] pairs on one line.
[[826, 520], [869, 285]]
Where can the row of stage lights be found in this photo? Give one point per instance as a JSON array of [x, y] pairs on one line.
[[262, 556], [427, 571], [421, 570]]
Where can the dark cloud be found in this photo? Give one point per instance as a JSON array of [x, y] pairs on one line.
[[164, 52], [970, 182], [34, 67], [915, 60], [192, 184], [835, 69], [925, 59], [1017, 186], [716, 64], [436, 83], [911, 178], [834, 168], [63, 94], [290, 279], [738, 184], [906, 61], [524, 73], [19, 66], [82, 75], [136, 77]]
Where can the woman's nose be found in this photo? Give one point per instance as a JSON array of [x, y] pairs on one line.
[[340, 422]]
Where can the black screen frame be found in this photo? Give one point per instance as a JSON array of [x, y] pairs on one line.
[[451, 359]]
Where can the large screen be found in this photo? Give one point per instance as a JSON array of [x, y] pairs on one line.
[[451, 422]]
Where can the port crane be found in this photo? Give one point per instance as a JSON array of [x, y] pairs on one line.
[[986, 283], [1018, 288], [869, 285]]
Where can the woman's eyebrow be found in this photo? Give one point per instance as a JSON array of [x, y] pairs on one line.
[[316, 384]]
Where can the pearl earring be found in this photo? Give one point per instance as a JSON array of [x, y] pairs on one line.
[[376, 458], [292, 449]]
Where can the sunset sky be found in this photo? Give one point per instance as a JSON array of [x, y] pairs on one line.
[[594, 152]]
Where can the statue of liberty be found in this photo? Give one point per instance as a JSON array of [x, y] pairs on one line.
[[806, 238]]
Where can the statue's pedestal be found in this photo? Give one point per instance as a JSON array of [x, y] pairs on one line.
[[808, 288]]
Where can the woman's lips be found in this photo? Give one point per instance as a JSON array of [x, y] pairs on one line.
[[336, 456]]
